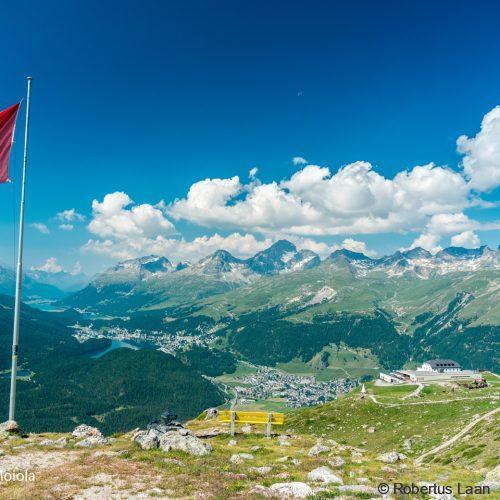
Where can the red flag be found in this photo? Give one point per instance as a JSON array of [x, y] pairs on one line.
[[7, 124]]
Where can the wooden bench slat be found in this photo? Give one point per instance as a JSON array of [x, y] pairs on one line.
[[252, 417]]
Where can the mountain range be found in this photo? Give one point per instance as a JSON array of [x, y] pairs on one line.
[[283, 303]]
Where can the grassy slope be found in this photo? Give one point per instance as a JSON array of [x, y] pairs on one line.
[[346, 421]]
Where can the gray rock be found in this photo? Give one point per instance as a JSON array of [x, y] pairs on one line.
[[336, 462], [246, 429], [317, 449], [239, 458], [92, 441], [10, 427], [184, 442], [85, 431], [324, 475], [147, 440], [292, 490], [232, 442], [492, 479], [391, 457], [261, 470], [371, 430], [211, 414], [255, 448]]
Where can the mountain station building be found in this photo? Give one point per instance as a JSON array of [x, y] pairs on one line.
[[434, 370]]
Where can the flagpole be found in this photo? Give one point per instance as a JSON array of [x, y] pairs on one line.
[[19, 270]]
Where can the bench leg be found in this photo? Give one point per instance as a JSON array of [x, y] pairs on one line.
[[269, 420], [233, 415]]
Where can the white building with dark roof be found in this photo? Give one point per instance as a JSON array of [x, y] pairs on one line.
[[434, 370], [440, 366]]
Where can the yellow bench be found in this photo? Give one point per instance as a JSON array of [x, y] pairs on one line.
[[251, 417]]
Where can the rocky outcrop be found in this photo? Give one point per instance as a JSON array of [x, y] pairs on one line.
[[90, 436], [391, 457], [168, 434]]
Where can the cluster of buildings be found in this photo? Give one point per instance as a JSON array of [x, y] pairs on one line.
[[166, 342], [298, 391], [434, 370]]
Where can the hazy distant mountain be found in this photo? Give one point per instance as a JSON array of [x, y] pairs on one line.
[[32, 287], [62, 280]]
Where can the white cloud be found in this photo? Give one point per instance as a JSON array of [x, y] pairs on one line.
[[467, 239], [298, 160], [357, 246], [429, 241], [450, 223], [39, 226], [117, 217], [240, 245], [70, 215], [253, 173], [355, 200], [67, 219], [481, 162], [50, 266], [77, 268]]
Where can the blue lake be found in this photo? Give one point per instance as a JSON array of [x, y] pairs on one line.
[[115, 344]]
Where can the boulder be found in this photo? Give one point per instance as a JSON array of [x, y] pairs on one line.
[[232, 442], [239, 458], [85, 431], [92, 441], [10, 427], [292, 490], [246, 429], [147, 440], [211, 413], [336, 462], [492, 479], [184, 442], [317, 449], [283, 441], [324, 475], [391, 457]]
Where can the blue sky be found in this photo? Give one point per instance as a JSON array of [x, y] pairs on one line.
[[150, 98]]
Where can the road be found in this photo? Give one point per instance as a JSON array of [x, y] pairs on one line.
[[456, 437]]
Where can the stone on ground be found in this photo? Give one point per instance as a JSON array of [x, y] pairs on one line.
[[317, 449], [184, 442], [239, 458], [292, 490], [324, 475], [391, 457], [85, 431]]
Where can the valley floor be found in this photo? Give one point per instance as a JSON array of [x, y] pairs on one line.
[[352, 433]]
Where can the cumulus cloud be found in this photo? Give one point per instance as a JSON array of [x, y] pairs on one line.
[[481, 162], [253, 172], [117, 217], [467, 239], [298, 160], [70, 215], [39, 226], [429, 241], [50, 266], [240, 245], [67, 218], [354, 200]]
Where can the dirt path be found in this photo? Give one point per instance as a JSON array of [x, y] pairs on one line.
[[415, 393], [456, 437], [375, 400]]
